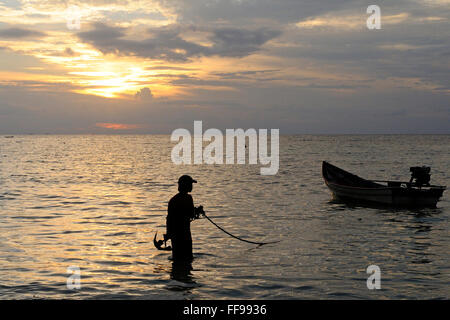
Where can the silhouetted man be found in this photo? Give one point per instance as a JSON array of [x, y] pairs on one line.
[[180, 213]]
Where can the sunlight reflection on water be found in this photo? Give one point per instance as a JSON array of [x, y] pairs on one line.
[[96, 202]]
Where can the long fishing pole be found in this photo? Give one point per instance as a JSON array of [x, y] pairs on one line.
[[236, 237]]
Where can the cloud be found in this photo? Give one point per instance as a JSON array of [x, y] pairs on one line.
[[234, 42], [327, 74], [20, 33], [243, 74], [410, 47], [36, 85], [68, 52], [167, 42], [163, 67], [301, 110], [249, 12], [11, 3], [144, 94], [345, 21]]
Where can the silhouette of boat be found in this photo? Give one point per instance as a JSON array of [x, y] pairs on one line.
[[348, 187], [9, 136]]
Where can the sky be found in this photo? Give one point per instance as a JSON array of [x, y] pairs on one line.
[[304, 67]]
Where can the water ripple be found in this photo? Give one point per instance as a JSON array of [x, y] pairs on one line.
[[95, 202]]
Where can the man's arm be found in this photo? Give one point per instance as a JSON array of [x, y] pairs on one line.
[[169, 227], [191, 208], [196, 211]]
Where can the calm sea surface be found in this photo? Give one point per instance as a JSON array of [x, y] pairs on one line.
[[96, 201]]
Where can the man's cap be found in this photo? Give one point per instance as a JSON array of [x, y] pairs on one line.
[[186, 179]]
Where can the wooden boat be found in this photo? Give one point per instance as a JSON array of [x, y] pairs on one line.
[[346, 186]]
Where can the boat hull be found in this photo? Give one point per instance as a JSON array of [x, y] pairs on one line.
[[348, 187]]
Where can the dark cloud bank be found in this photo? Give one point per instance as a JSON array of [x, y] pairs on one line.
[[20, 33], [167, 42]]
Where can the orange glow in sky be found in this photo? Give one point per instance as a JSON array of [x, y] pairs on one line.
[[117, 126]]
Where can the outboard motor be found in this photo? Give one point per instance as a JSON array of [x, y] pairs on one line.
[[420, 175]]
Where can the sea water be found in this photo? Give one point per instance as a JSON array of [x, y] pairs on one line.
[[94, 202]]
